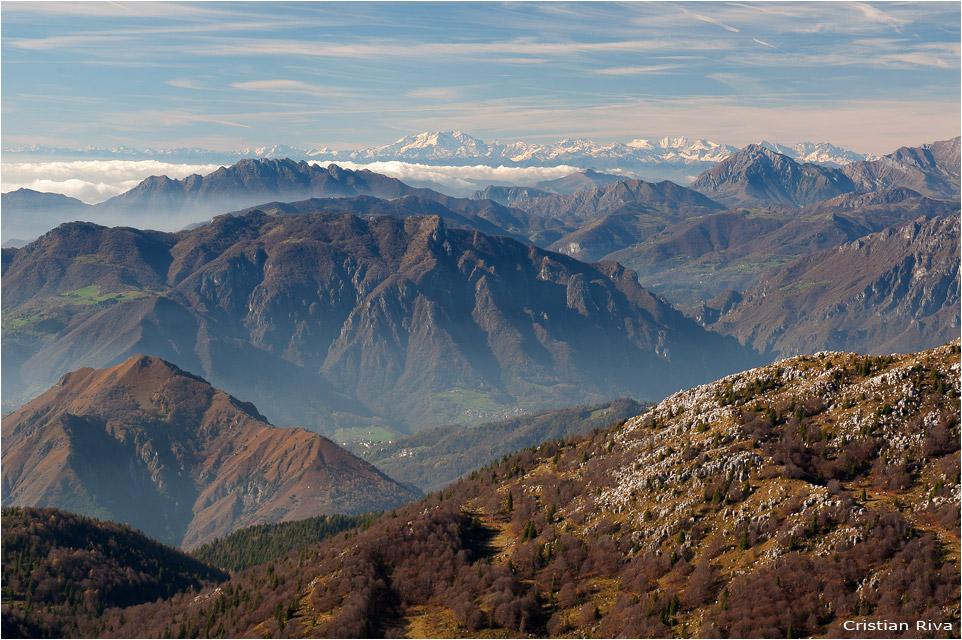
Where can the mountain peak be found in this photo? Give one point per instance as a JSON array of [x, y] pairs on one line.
[[203, 463], [759, 176]]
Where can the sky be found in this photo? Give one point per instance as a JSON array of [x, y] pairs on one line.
[[869, 77]]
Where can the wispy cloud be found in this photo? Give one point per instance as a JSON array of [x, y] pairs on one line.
[[360, 73], [638, 70], [48, 98], [738, 82], [519, 60], [377, 49], [293, 86], [121, 36], [721, 24], [185, 83], [107, 9], [874, 14], [435, 93]]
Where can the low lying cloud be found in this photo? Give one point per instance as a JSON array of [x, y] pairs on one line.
[[457, 180], [92, 181], [89, 192]]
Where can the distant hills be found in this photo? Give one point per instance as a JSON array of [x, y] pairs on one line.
[[758, 176], [693, 259], [242, 290], [168, 204], [580, 181], [147, 443], [330, 320], [434, 458], [755, 176]]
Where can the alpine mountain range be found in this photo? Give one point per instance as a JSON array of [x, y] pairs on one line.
[[686, 389], [676, 158]]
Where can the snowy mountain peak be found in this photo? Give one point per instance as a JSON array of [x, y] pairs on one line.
[[677, 158], [817, 152], [428, 145]]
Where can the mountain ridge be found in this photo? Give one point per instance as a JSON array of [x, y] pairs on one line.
[[448, 145], [759, 176], [349, 316]]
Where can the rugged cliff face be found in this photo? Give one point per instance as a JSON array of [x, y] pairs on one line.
[[329, 320], [896, 290], [147, 443]]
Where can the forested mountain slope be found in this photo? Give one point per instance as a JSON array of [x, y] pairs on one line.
[[62, 571]]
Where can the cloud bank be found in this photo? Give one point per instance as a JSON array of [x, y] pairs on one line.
[[457, 180], [91, 181], [94, 181]]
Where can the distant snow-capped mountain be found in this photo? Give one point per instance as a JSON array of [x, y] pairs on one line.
[[673, 158], [437, 145], [818, 153], [456, 145]]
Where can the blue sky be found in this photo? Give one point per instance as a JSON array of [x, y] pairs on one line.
[[869, 77]]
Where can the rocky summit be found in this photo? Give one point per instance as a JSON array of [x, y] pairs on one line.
[[758, 176]]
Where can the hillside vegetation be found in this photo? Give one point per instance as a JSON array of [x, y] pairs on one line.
[[264, 543], [61, 571], [779, 502]]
